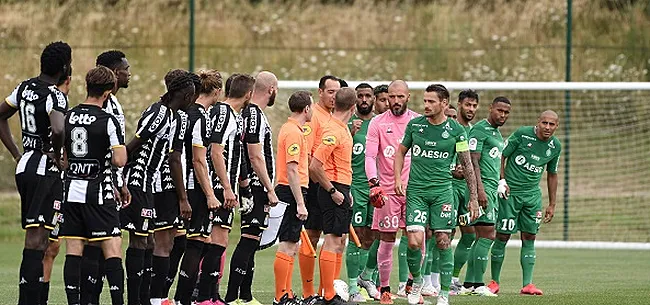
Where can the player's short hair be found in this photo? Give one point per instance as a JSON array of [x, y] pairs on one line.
[[501, 99], [172, 74], [196, 81], [345, 99], [467, 93], [440, 90], [323, 80], [56, 58], [64, 77], [380, 89], [99, 80], [110, 59], [209, 80], [241, 85], [343, 83], [363, 86], [229, 82], [299, 100]]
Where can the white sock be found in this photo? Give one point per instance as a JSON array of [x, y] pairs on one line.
[[427, 280], [435, 280], [402, 284], [455, 280], [155, 301]]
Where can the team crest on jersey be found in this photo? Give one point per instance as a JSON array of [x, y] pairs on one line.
[[548, 152], [306, 130], [293, 150], [445, 134], [329, 140]]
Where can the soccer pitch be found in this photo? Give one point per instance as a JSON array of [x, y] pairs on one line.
[[566, 277]]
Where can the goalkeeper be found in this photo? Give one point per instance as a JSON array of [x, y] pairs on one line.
[[528, 151]]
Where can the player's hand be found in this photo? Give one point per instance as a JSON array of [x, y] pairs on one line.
[[338, 198], [302, 211], [503, 190], [356, 125], [125, 195], [213, 203], [247, 202], [474, 211], [549, 213], [273, 198], [377, 195], [482, 198], [399, 189], [230, 201], [58, 160], [185, 209]]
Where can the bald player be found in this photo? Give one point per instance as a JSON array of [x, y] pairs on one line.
[[529, 151]]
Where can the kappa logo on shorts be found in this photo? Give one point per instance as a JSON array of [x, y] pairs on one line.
[[329, 140], [446, 207], [293, 150]]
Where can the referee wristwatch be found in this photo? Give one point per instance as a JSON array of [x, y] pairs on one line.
[[332, 190]]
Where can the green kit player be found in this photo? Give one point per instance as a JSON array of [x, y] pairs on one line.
[[356, 258], [485, 145], [433, 140], [528, 151]]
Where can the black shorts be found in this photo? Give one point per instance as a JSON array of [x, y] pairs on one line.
[[138, 217], [290, 226], [167, 210], [315, 217], [200, 223], [336, 218], [259, 216], [222, 217], [92, 222], [39, 196]]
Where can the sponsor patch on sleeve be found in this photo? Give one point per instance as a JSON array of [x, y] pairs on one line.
[[329, 140], [306, 130], [293, 149]]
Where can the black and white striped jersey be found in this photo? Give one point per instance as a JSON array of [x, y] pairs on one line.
[[227, 132], [112, 105], [35, 100], [90, 136], [164, 180], [199, 131], [154, 128], [257, 130]]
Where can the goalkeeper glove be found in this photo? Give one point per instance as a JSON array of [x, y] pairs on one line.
[[377, 195], [246, 202], [502, 189]]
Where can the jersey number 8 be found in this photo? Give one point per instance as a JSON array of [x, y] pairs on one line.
[[79, 142]]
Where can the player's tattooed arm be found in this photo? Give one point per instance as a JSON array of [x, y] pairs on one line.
[[470, 179], [6, 112], [475, 165]]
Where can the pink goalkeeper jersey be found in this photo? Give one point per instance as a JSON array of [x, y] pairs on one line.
[[385, 133]]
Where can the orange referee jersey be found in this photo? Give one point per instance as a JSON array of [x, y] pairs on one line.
[[314, 129], [292, 148], [335, 152]]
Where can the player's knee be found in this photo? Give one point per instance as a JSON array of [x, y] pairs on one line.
[[53, 250], [387, 236], [137, 242], [36, 239], [505, 237], [367, 243], [527, 236], [442, 240]]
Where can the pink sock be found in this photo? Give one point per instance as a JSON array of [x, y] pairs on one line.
[[385, 260]]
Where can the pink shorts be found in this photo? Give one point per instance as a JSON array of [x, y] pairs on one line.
[[392, 216]]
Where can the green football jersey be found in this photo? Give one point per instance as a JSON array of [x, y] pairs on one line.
[[359, 178], [527, 156], [433, 148], [487, 140], [460, 184]]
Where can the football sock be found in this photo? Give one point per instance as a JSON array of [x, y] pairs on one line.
[[239, 266], [403, 270], [435, 265], [90, 273], [71, 278], [385, 261], [210, 271], [327, 264], [160, 272], [147, 270], [45, 292], [101, 273], [245, 289], [371, 263], [174, 260], [352, 253], [307, 264], [188, 272], [134, 270], [282, 268], [498, 254], [115, 278], [469, 271], [339, 264], [481, 257], [31, 270], [414, 258], [527, 259], [363, 260], [446, 267], [462, 252]]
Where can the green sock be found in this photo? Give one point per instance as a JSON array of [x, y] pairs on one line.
[[435, 258], [363, 259], [375, 277], [371, 262], [527, 260], [414, 258], [352, 265], [481, 258], [432, 252], [462, 252], [403, 268], [426, 268], [446, 267], [469, 271], [496, 259]]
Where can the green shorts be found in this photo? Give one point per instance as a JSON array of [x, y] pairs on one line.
[[492, 210], [461, 199], [521, 212], [428, 208], [361, 208]]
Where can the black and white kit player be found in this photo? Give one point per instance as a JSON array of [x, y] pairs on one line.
[[41, 107]]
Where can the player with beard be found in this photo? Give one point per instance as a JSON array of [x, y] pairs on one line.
[[468, 103], [42, 107], [254, 214], [356, 258], [381, 99], [384, 135]]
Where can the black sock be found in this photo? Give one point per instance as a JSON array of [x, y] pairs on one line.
[[409, 282], [72, 278], [174, 260], [384, 289], [245, 292], [45, 292], [209, 271], [101, 273], [90, 273], [134, 270], [115, 278], [145, 284], [188, 271], [160, 271], [468, 284], [31, 271], [239, 266]]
